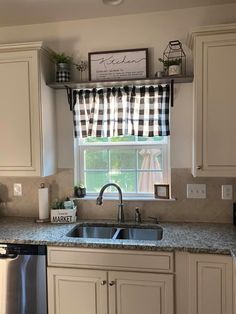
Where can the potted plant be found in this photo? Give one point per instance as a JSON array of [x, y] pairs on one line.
[[79, 191], [63, 211], [172, 66], [63, 64]]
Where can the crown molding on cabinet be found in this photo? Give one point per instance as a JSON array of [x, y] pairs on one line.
[[210, 30]]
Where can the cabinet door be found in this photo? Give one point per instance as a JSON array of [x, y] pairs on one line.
[[215, 105], [73, 291], [139, 293], [19, 113], [210, 283], [234, 286]]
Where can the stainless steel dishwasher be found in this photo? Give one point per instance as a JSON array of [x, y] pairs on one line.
[[23, 279]]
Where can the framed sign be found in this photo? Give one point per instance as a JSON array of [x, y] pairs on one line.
[[161, 191], [118, 65]]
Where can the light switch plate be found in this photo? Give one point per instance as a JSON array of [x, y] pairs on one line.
[[196, 191], [227, 192], [17, 189]]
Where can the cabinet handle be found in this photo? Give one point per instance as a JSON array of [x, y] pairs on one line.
[[112, 283], [103, 282], [199, 167]]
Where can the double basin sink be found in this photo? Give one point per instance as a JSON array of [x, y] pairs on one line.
[[117, 232]]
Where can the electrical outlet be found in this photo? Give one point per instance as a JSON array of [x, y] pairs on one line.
[[17, 188], [196, 190], [227, 192]]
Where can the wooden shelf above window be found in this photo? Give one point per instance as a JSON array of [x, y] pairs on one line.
[[100, 84]]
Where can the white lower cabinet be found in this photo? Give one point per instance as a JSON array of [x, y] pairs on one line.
[[73, 291], [211, 284], [139, 293], [109, 289], [204, 284], [234, 287], [97, 281], [83, 291]]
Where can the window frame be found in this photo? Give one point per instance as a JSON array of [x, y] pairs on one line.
[[79, 162]]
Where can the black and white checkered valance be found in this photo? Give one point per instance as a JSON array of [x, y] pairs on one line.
[[140, 111]]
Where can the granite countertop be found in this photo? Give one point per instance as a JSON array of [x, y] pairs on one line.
[[192, 237]]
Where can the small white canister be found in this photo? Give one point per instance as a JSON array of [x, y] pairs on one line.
[[174, 69]]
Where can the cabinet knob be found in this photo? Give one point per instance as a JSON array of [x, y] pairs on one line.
[[103, 282], [199, 167], [112, 283]]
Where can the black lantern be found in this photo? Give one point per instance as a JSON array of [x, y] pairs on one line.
[[174, 59]]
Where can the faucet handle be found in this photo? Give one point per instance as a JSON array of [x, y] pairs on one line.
[[99, 200], [155, 219], [137, 216]]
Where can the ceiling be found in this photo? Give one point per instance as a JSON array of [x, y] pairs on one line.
[[21, 12]]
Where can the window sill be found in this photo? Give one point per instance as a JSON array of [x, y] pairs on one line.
[[126, 198]]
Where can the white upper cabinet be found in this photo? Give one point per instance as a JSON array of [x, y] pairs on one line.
[[214, 142], [27, 111]]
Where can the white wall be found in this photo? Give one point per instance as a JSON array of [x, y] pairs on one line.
[[152, 30]]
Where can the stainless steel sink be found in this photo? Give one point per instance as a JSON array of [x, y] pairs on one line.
[[101, 231], [148, 234]]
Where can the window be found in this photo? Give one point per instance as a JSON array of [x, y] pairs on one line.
[[134, 163], [112, 129]]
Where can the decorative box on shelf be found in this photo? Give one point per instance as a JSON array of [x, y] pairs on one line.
[[63, 215]]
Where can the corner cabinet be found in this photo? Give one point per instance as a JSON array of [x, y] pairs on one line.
[[27, 111], [204, 284], [109, 281], [214, 149]]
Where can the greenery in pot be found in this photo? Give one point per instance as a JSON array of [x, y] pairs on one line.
[[79, 191], [57, 204], [61, 58], [63, 66], [169, 62], [63, 204]]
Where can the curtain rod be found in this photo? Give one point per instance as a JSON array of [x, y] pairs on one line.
[[118, 86], [70, 90]]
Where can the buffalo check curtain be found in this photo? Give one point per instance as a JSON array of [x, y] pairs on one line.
[[139, 111]]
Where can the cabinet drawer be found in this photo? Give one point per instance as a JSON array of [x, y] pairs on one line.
[[111, 259]]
